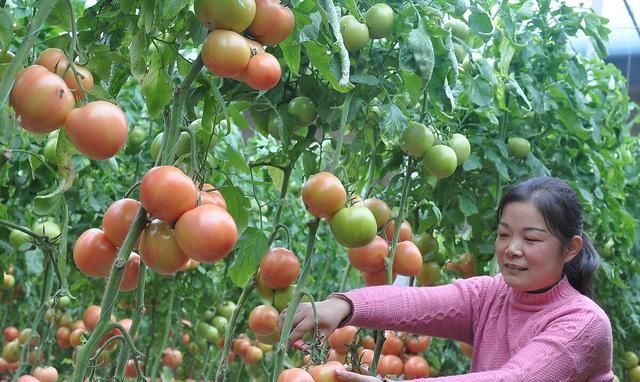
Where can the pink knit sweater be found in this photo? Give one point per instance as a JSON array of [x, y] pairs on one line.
[[556, 336]]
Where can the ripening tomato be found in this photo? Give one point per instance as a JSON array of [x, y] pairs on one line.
[[295, 375], [94, 254], [69, 77], [406, 232], [52, 59], [392, 344], [206, 233], [390, 364], [262, 72], [380, 210], [166, 193], [225, 53], [369, 258], [368, 342], [429, 274], [172, 358], [327, 372], [210, 195], [98, 129], [40, 99], [416, 367], [263, 320], [225, 14], [273, 22], [28, 378], [253, 355], [323, 194], [131, 273], [118, 219], [91, 316], [341, 338], [353, 226], [45, 373], [417, 344], [62, 337], [240, 346], [255, 47], [10, 333], [75, 338], [377, 277], [130, 371], [11, 351], [159, 248], [407, 260], [279, 268]]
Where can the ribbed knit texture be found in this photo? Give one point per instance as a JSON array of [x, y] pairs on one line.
[[556, 336]]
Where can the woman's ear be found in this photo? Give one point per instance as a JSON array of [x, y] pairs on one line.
[[573, 248]]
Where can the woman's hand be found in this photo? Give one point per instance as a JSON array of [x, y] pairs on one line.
[[347, 376], [331, 312]]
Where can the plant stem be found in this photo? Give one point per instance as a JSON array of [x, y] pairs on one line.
[[167, 329], [344, 54], [343, 123], [345, 277], [399, 219]]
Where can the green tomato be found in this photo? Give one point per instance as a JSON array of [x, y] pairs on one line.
[[303, 108], [183, 147], [17, 238], [136, 137], [459, 29], [426, 243], [208, 315], [226, 309], [64, 301], [440, 161], [429, 274], [460, 51], [629, 360], [283, 297], [379, 19], [354, 226], [460, 144], [47, 228], [518, 147], [354, 33], [50, 151], [416, 139], [8, 281], [275, 125], [220, 323]]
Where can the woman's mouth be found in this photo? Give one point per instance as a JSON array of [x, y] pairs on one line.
[[515, 267]]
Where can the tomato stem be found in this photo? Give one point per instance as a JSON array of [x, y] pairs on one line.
[[167, 329], [399, 218], [343, 123], [379, 337], [345, 277], [332, 14]]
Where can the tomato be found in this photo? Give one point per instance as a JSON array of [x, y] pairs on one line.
[[429, 275], [226, 309], [65, 319], [206, 233], [75, 338], [466, 265], [390, 364], [460, 144], [407, 260], [131, 273], [466, 349], [8, 281], [69, 77], [118, 219], [304, 109], [62, 337], [376, 278], [17, 238], [426, 243], [629, 359], [279, 268], [342, 337], [263, 320], [282, 297], [460, 52], [98, 129], [11, 351], [254, 46], [406, 232], [210, 195], [4, 366], [167, 193], [441, 161], [47, 228], [225, 53], [159, 248], [337, 356], [52, 59], [94, 254], [45, 373], [368, 342], [634, 374], [262, 72], [78, 324], [172, 358], [28, 378], [220, 323], [240, 346], [379, 20], [136, 137], [272, 23], [206, 331], [295, 375], [416, 367], [369, 258], [91, 316], [518, 147], [10, 333], [225, 14], [323, 195], [253, 355], [327, 372], [182, 147], [458, 28], [40, 99], [392, 344], [130, 371], [354, 33], [416, 139], [353, 226], [417, 344]]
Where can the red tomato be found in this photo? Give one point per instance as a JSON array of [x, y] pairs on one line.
[[279, 268], [28, 378], [130, 371], [341, 338], [52, 59], [273, 22], [377, 277], [323, 194], [98, 129], [62, 337], [392, 344], [368, 342], [166, 193], [295, 375], [118, 219], [172, 358], [40, 99], [406, 233], [366, 356], [336, 356], [255, 47], [75, 337], [253, 355], [210, 195], [69, 77], [380, 210], [45, 373], [416, 367], [94, 254], [91, 316], [131, 273], [417, 344], [408, 260], [263, 320], [390, 365], [225, 53], [263, 71], [240, 346], [159, 249], [327, 372], [207, 233], [10, 333], [369, 258]]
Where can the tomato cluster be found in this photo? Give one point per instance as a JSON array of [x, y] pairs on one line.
[[227, 53]]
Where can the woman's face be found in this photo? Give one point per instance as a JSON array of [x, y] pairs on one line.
[[530, 257]]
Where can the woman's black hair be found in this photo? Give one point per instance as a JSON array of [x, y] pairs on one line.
[[563, 214]]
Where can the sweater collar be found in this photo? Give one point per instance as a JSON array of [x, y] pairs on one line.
[[557, 293]]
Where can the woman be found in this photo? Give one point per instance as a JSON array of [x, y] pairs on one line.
[[534, 321]]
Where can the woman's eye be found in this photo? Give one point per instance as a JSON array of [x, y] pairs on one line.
[[529, 239], [502, 235]]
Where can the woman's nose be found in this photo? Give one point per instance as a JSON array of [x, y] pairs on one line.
[[514, 248]]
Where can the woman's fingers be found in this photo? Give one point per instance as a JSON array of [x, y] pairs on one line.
[[353, 377], [300, 329]]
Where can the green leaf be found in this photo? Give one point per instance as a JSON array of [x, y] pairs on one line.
[[472, 163], [320, 58], [480, 21], [451, 56], [277, 176], [291, 53], [59, 16], [507, 51], [157, 91], [500, 166], [237, 205], [6, 29], [393, 125], [137, 50], [480, 92], [171, 8], [33, 260], [147, 15], [251, 247], [309, 163], [416, 54], [467, 205], [515, 86], [366, 79], [236, 159]]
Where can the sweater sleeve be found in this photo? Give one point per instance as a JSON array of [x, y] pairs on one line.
[[564, 352], [443, 311]]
